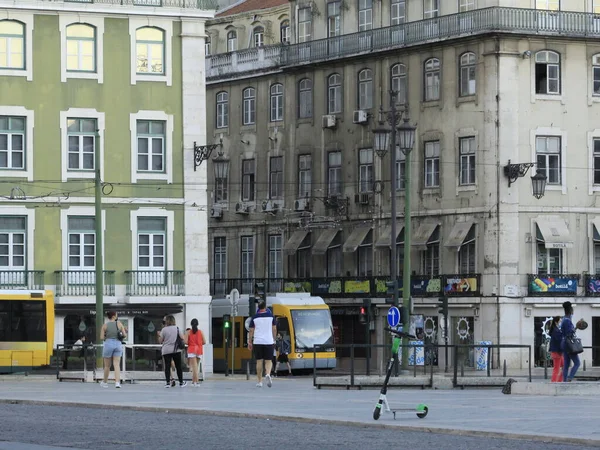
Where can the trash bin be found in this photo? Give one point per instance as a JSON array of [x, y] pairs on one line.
[[481, 355]]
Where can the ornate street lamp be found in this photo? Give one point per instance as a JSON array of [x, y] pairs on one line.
[[516, 171], [203, 152], [382, 139], [538, 184], [406, 136]]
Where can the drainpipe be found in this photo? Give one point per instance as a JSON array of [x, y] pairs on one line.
[[498, 198]]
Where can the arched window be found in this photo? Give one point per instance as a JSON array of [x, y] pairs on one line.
[[547, 72], [249, 106], [232, 41], [334, 94], [468, 63], [398, 82], [284, 31], [432, 79], [207, 46], [258, 36], [276, 102], [365, 89], [12, 44], [596, 75], [150, 50], [81, 48], [222, 110], [305, 108]]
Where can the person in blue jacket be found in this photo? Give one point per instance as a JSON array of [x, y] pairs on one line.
[[568, 329], [555, 349]]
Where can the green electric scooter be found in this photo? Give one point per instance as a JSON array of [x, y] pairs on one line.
[[421, 409]]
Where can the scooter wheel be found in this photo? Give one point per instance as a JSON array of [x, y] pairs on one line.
[[422, 411], [376, 413]]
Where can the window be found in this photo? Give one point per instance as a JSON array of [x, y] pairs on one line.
[[207, 45], [466, 5], [551, 5], [400, 169], [276, 177], [548, 157], [547, 73], [398, 82], [431, 9], [150, 50], [304, 258], [247, 257], [432, 79], [365, 178], [248, 177], [82, 243], [596, 251], [334, 173], [467, 74], [304, 24], [258, 37], [12, 243], [151, 146], [222, 110], [398, 12], [81, 48], [365, 89], [232, 41], [220, 258], [304, 176], [81, 135], [221, 180], [596, 75], [12, 45], [467, 258], [596, 7], [549, 260], [275, 256], [334, 94], [276, 102], [305, 99], [23, 321], [399, 254], [249, 106], [596, 149], [152, 236], [334, 19], [432, 164], [284, 32], [467, 161], [365, 256], [431, 256], [365, 15], [12, 142], [334, 257]]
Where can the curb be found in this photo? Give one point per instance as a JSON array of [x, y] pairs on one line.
[[320, 421]]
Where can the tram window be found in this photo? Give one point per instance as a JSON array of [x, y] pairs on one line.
[[28, 321], [217, 332], [4, 321], [283, 327]]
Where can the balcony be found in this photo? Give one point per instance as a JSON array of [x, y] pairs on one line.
[[207, 5], [22, 279], [222, 287], [153, 283], [552, 285], [76, 283], [471, 23]]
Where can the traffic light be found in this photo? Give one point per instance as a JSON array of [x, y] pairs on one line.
[[259, 290], [362, 318], [365, 311], [390, 292], [226, 321], [443, 306]]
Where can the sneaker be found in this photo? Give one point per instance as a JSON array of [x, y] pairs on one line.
[[118, 385], [259, 384], [168, 385], [103, 384], [173, 383], [269, 381], [183, 384]]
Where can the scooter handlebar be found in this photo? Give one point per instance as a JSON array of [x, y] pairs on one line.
[[400, 333]]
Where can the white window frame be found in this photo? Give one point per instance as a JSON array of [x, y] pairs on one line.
[[560, 82], [19, 111], [431, 9], [152, 245], [550, 5], [365, 15], [549, 132], [251, 251], [594, 269], [275, 262], [258, 36], [365, 89], [591, 137], [276, 105], [221, 111], [425, 256], [222, 257], [80, 113], [472, 243], [396, 7], [305, 98], [29, 214], [304, 26], [64, 20], [10, 244], [466, 66], [158, 116], [334, 92], [304, 176], [429, 165], [167, 26], [400, 170], [169, 216], [82, 211], [276, 184], [365, 264], [399, 82], [334, 18], [221, 190], [595, 6], [432, 71], [251, 181], [366, 170], [207, 45], [337, 169], [284, 31], [335, 257], [466, 5], [232, 41], [27, 19], [594, 74], [468, 158]]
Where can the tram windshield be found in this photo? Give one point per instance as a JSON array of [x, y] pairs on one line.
[[312, 327]]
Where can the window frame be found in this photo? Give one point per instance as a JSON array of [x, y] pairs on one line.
[[365, 89], [305, 98], [276, 112], [169, 217], [364, 256], [596, 74], [284, 31], [222, 110], [468, 74], [258, 36], [548, 156], [549, 65], [397, 12], [221, 191], [81, 245], [365, 15], [304, 24], [166, 25], [430, 258], [148, 44], [247, 258], [334, 184], [366, 170], [11, 133], [304, 258], [207, 45], [335, 257], [153, 116], [249, 106], [432, 80], [399, 82], [549, 4], [467, 161], [11, 233], [248, 180], [334, 18], [467, 253], [431, 9], [431, 169], [81, 136], [275, 258], [304, 176], [400, 170], [466, 5], [219, 258], [276, 185], [9, 39], [27, 20], [335, 93], [232, 41], [80, 40], [152, 245], [595, 161], [150, 138]]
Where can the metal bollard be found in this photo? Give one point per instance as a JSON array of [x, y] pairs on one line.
[[504, 369], [247, 370], [584, 365], [545, 368], [462, 369]]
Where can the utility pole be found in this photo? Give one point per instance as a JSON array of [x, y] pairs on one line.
[[99, 256], [406, 282]]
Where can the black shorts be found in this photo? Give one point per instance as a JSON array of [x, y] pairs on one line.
[[263, 352], [283, 358]]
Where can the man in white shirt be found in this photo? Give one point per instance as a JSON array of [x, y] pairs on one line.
[[263, 329]]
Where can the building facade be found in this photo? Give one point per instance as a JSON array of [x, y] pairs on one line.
[[299, 197], [119, 78]]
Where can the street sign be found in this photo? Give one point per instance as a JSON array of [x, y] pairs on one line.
[[393, 316], [234, 296]]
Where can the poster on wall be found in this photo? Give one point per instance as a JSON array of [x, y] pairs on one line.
[[461, 286], [548, 285]]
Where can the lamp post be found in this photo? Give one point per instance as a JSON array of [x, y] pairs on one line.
[[405, 135], [538, 181]]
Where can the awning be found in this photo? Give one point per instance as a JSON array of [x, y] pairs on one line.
[[458, 234], [596, 230], [385, 238], [358, 235], [292, 245], [323, 241], [555, 232], [423, 234]]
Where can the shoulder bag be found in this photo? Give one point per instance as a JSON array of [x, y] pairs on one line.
[[573, 344], [179, 343], [120, 334]]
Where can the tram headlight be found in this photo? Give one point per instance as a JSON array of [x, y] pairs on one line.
[[299, 355]]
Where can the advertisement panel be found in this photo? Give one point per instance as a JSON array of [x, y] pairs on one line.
[[548, 285]]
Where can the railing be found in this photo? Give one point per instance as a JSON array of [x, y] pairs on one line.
[[581, 374], [155, 282], [82, 282], [22, 279], [243, 61], [222, 287], [208, 5], [471, 23]]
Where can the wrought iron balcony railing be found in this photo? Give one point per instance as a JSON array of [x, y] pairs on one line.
[[22, 279], [155, 282], [471, 23], [82, 282]]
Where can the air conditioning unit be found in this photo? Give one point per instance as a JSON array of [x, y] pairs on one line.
[[302, 204], [216, 212], [328, 121], [363, 198], [240, 208], [360, 116], [269, 206]]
